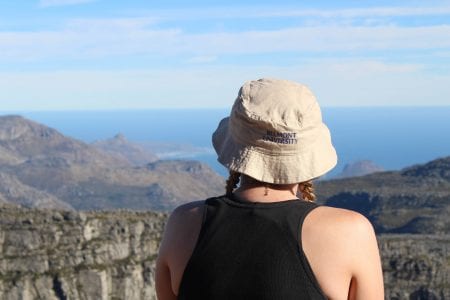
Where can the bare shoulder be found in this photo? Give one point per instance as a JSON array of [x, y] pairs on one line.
[[186, 211], [341, 243], [184, 218], [339, 221], [340, 231], [182, 227]]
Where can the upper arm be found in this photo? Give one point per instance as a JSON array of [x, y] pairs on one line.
[[163, 281], [180, 235], [367, 275], [163, 277], [342, 250]]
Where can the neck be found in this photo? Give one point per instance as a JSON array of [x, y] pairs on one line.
[[255, 191]]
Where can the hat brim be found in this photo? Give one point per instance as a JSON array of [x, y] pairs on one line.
[[313, 161]]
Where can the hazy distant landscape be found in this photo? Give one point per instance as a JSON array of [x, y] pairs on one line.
[[43, 168], [390, 137]]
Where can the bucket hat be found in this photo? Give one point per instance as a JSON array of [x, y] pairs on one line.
[[275, 134]]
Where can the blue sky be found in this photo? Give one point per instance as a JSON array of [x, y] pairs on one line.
[[98, 54]]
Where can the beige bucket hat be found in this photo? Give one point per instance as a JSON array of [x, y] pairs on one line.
[[275, 134]]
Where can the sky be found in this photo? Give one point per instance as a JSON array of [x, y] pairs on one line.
[[135, 54]]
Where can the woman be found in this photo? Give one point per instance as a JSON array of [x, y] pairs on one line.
[[266, 238]]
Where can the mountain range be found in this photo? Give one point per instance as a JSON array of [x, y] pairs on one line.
[[40, 167], [413, 200]]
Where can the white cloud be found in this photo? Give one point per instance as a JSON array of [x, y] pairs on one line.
[[202, 59], [320, 39], [115, 37], [201, 80], [360, 68], [47, 3], [251, 12], [360, 12], [85, 42], [336, 83], [442, 54], [97, 24]]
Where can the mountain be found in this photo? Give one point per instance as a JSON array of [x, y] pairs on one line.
[[134, 153], [52, 168], [16, 192], [22, 140], [412, 200], [359, 168], [438, 170]]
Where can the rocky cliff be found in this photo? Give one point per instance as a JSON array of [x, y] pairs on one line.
[[416, 266], [412, 200], [59, 255], [56, 255]]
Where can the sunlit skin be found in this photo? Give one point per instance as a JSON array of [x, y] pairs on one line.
[[340, 245]]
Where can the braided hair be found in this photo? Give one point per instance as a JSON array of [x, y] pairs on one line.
[[307, 190], [232, 182]]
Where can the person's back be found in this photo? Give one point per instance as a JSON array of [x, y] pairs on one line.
[[339, 245], [250, 250], [264, 240]]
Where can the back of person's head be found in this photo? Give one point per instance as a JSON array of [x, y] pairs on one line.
[[275, 135]]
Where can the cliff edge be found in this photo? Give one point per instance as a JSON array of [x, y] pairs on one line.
[[55, 255]]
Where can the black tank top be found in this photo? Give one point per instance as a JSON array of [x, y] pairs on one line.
[[248, 251]]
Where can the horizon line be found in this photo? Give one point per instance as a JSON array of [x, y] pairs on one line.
[[15, 111]]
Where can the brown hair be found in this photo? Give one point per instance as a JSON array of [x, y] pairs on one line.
[[306, 188], [232, 181]]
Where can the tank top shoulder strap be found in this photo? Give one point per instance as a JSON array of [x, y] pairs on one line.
[[210, 206], [308, 207]]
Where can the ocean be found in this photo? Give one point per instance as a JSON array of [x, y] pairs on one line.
[[391, 137]]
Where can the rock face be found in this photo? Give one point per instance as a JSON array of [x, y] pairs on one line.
[[413, 200], [416, 266], [56, 255]]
